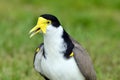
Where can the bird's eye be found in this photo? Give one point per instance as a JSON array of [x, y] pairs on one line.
[[48, 22]]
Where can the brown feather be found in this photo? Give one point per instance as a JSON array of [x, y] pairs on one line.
[[83, 61]]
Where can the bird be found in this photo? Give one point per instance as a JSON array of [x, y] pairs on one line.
[[59, 56]]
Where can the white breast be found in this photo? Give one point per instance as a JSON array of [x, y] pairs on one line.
[[55, 66], [61, 69]]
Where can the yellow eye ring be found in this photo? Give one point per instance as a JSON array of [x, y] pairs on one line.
[[48, 22]]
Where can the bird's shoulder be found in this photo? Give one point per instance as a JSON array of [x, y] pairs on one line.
[[79, 47], [39, 49]]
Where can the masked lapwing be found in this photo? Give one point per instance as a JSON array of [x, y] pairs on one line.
[[60, 57]]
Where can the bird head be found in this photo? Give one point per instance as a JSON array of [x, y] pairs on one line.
[[43, 23]]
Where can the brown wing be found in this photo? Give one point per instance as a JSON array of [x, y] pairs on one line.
[[83, 61]]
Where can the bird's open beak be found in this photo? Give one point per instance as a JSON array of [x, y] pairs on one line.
[[40, 27], [34, 31]]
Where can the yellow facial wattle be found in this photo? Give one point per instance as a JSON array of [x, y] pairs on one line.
[[41, 26]]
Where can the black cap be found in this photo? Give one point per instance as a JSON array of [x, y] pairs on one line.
[[54, 21]]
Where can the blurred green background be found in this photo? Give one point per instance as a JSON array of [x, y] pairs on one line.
[[94, 23]]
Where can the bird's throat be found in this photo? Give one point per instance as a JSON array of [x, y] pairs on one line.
[[54, 43]]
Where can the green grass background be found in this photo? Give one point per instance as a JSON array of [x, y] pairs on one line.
[[94, 23]]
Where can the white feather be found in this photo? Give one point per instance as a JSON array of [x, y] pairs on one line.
[[55, 66]]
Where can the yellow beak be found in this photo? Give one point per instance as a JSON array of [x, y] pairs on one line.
[[34, 31], [40, 27]]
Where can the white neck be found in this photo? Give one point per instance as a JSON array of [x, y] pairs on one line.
[[53, 41]]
